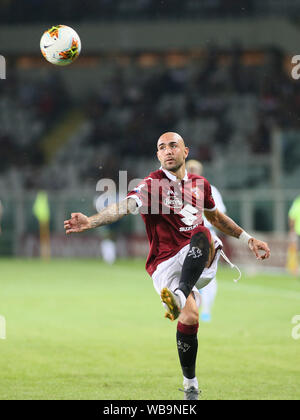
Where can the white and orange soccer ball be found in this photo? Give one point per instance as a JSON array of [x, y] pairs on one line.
[[60, 45]]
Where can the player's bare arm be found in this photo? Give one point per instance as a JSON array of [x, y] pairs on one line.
[[80, 223], [226, 225]]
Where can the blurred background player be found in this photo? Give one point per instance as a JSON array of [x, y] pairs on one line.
[[108, 247], [209, 292], [108, 250], [294, 225], [41, 210], [1, 212]]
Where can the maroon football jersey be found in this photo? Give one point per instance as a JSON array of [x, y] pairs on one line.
[[172, 211]]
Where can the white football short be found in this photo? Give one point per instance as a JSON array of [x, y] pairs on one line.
[[167, 273]]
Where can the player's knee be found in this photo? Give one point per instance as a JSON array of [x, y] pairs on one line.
[[189, 317]]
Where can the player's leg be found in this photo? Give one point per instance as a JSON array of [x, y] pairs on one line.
[[167, 276], [194, 263], [187, 346], [208, 295], [108, 251]]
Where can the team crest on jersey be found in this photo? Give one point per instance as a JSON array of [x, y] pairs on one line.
[[172, 200]]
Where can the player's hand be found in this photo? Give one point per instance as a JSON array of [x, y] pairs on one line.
[[256, 246], [78, 223]]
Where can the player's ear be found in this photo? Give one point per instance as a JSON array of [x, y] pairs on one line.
[[187, 151]]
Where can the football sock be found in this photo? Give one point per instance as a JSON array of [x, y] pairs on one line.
[[187, 345], [190, 382], [194, 262]]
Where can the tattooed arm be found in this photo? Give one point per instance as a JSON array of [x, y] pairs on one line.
[[229, 227], [79, 222], [223, 223]]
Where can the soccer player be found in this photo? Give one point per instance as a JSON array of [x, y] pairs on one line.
[[1, 212], [182, 250], [209, 292], [294, 224], [107, 246]]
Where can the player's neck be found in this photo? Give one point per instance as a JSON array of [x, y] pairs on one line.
[[180, 173]]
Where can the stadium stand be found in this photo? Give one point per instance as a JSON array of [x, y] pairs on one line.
[[219, 105], [63, 129], [14, 11]]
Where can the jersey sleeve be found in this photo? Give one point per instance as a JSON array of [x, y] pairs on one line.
[[142, 195], [209, 202], [218, 199]]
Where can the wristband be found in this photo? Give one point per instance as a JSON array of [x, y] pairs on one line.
[[244, 237]]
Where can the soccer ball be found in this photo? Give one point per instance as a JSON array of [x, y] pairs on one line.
[[60, 45]]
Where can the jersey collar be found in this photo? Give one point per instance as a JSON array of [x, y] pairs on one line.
[[173, 177]]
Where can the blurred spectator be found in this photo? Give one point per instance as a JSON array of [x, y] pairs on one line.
[[16, 11], [261, 139], [217, 105]]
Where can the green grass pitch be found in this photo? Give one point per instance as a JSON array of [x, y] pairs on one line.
[[79, 329]]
